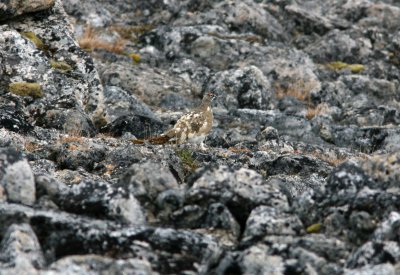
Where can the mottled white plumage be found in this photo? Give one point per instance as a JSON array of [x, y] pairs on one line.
[[194, 126]]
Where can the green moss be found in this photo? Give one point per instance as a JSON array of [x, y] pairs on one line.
[[60, 65], [135, 57], [314, 228], [34, 38], [26, 89], [186, 156], [356, 68], [338, 65]]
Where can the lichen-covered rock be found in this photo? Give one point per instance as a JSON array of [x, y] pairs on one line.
[[157, 190], [64, 98], [147, 180], [63, 234], [20, 250], [241, 190], [119, 103], [16, 177], [255, 260], [244, 88], [138, 126], [75, 152], [348, 45], [152, 86], [102, 200], [14, 120], [15, 8], [91, 264], [373, 269], [265, 220]]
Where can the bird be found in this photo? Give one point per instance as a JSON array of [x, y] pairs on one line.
[[192, 127]]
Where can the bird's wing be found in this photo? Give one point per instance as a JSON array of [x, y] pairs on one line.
[[189, 123]]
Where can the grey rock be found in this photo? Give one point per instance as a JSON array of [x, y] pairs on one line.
[[292, 164], [16, 177], [245, 88], [66, 234], [255, 260], [348, 45], [362, 224], [104, 200], [120, 159], [65, 96], [332, 249], [240, 190], [373, 269], [75, 122], [15, 8], [170, 200], [147, 180], [377, 14], [47, 185], [217, 219], [20, 249], [381, 246], [77, 152], [345, 181], [366, 139], [311, 263], [119, 103], [265, 220], [378, 89], [267, 134], [314, 17], [218, 216], [137, 125], [135, 80], [188, 216], [11, 139], [82, 264], [14, 120]]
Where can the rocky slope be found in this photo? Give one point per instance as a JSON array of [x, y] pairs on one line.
[[302, 174]]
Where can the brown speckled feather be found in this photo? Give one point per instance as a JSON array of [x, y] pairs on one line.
[[190, 127]]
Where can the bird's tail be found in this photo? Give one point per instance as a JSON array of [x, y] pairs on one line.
[[152, 140]]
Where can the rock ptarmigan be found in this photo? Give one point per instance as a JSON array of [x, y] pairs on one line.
[[192, 127]]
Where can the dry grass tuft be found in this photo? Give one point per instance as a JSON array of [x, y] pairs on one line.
[[332, 160], [237, 150], [31, 146], [68, 139], [90, 41], [300, 90], [109, 168], [315, 111], [73, 147]]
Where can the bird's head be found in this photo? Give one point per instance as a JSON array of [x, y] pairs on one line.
[[212, 96], [208, 98]]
